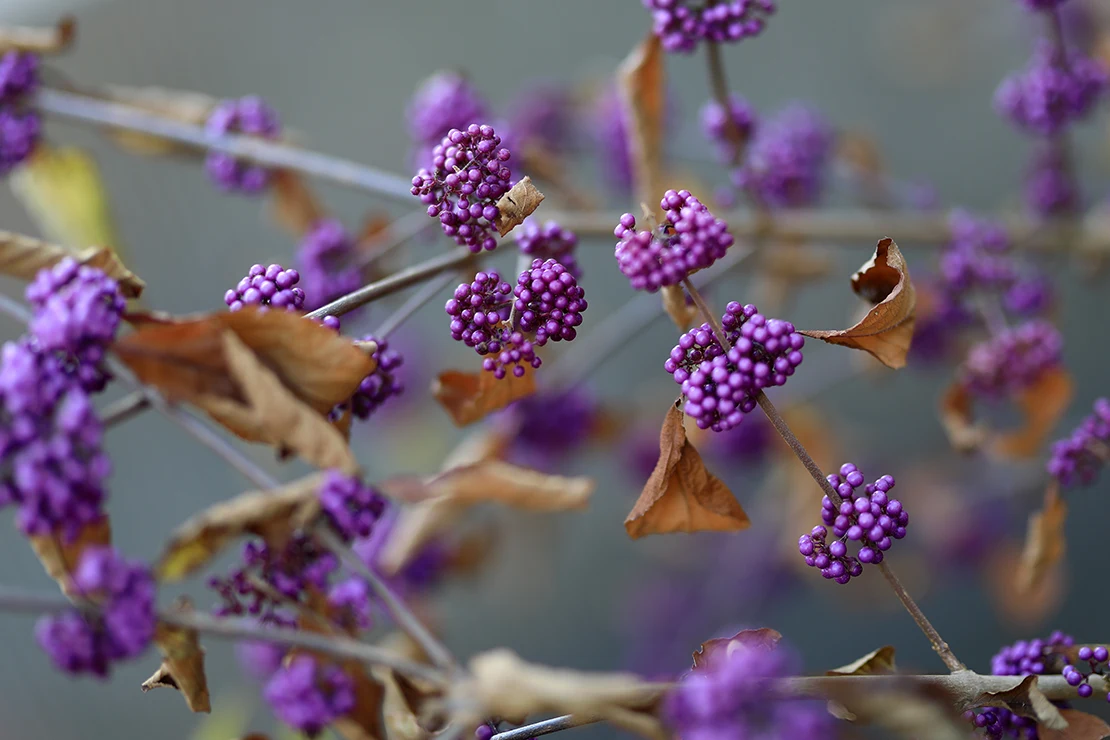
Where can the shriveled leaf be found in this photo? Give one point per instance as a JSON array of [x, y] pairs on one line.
[[711, 653], [516, 205], [957, 418], [469, 397], [59, 557], [887, 329], [183, 360], [880, 661], [1025, 700], [1044, 540], [1042, 404], [682, 495], [674, 303], [180, 105], [294, 206], [904, 709], [182, 664], [39, 39], [364, 722], [1081, 726], [398, 716], [271, 515], [641, 80], [500, 684]]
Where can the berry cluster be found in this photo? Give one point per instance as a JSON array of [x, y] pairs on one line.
[[546, 426], [467, 178], [352, 507], [380, 385], [120, 626], [691, 238], [549, 241], [309, 695], [1012, 360], [715, 124], [20, 126], [1076, 677], [444, 101], [787, 159], [1078, 458], [832, 559], [77, 311], [612, 142], [978, 257], [719, 386], [542, 118], [251, 116], [1050, 189], [681, 25], [549, 302], [1055, 90], [267, 286], [325, 256], [480, 319]]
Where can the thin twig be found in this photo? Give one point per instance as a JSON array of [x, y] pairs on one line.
[[939, 645], [14, 308], [718, 84], [796, 446], [413, 304], [125, 408], [398, 232], [546, 727], [707, 314]]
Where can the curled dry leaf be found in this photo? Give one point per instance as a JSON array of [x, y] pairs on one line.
[[1045, 541], [905, 709], [59, 557], [179, 105], [641, 80], [272, 515], [879, 661], [712, 652], [294, 206], [674, 303], [516, 205], [39, 39], [1081, 726], [682, 495], [500, 684], [1025, 700], [182, 664], [887, 329], [469, 397]]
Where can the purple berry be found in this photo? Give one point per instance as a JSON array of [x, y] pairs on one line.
[[787, 159], [267, 286], [19, 134], [351, 506], [548, 302], [1050, 94], [18, 76], [549, 241], [715, 125], [1012, 360], [682, 24], [308, 695], [1078, 458], [326, 259]]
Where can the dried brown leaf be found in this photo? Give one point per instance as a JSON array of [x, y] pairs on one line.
[[711, 653], [1081, 726], [271, 515], [294, 206], [907, 710], [1025, 700], [642, 81], [1042, 404], [519, 203], [879, 661], [674, 303], [958, 419], [887, 329], [1044, 540], [682, 495], [182, 664], [23, 256], [469, 397], [59, 557], [38, 39], [399, 717], [364, 722], [182, 359]]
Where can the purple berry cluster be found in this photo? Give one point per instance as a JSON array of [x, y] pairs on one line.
[[20, 126], [787, 159], [1012, 360], [681, 24], [77, 311], [444, 101], [309, 695], [1050, 189], [480, 319], [612, 142], [542, 116], [1096, 659], [547, 426], [549, 241], [267, 286], [549, 302], [250, 116], [978, 256], [715, 124], [721, 387], [382, 384], [119, 623], [352, 507], [1056, 89], [325, 256], [467, 178], [1078, 458], [691, 238]]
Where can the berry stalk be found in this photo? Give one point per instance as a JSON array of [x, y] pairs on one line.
[[718, 84]]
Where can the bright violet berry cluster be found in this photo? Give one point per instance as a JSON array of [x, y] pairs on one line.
[[380, 385], [20, 126], [272, 286], [721, 387], [549, 302], [549, 241], [250, 116], [715, 124], [326, 258], [1078, 458], [1012, 360], [352, 507], [681, 24], [467, 178], [1095, 658], [691, 238], [120, 627], [1055, 90], [787, 159], [309, 695]]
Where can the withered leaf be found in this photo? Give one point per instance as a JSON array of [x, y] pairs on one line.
[[500, 684], [682, 495], [469, 397], [711, 653], [1044, 540], [294, 206], [905, 709], [271, 515], [364, 722], [1025, 700], [1081, 726], [182, 664], [957, 418], [59, 557], [1042, 404], [38, 39], [23, 256], [398, 716], [887, 329], [519, 203], [674, 303], [179, 105], [878, 661], [641, 79]]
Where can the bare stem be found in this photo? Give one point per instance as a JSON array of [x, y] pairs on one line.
[[707, 314], [125, 408], [938, 643], [718, 84], [414, 303], [796, 446]]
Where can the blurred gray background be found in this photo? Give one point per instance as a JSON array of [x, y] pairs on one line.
[[569, 590]]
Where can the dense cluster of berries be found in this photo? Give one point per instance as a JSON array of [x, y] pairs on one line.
[[480, 319], [870, 518], [309, 695], [382, 384], [250, 116], [119, 623], [732, 698], [548, 302], [1050, 189], [1055, 90], [1012, 360], [467, 178], [1078, 458], [715, 124], [325, 256], [681, 25], [20, 126], [351, 506], [978, 256], [272, 286], [787, 159], [691, 238], [77, 311], [549, 241], [1079, 678], [444, 101], [721, 387]]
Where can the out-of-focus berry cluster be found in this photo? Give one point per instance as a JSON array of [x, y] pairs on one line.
[[309, 695], [549, 241], [20, 126], [683, 24], [545, 427], [326, 258], [1078, 458], [787, 159], [716, 126], [382, 384], [250, 116], [1056, 89], [1012, 360]]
